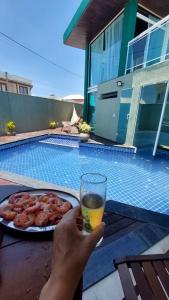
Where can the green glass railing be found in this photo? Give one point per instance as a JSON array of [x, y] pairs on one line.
[[150, 47]]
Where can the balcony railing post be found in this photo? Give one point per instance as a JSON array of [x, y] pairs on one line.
[[165, 43], [146, 50], [161, 119], [127, 57]]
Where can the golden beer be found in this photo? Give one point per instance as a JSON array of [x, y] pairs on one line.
[[92, 208]]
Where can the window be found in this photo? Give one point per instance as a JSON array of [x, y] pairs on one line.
[[153, 94], [3, 87], [105, 53], [23, 90]]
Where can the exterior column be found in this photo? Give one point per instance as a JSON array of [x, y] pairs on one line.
[[86, 82], [129, 24], [135, 101]]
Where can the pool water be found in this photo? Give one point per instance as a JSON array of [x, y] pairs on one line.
[[136, 179]]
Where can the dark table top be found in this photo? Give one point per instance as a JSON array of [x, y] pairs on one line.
[[25, 259]]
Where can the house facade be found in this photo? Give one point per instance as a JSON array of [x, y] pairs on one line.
[[15, 84], [126, 45]]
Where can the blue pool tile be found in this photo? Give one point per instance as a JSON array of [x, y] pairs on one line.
[[136, 179]]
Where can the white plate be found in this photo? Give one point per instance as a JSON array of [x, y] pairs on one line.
[[35, 229]]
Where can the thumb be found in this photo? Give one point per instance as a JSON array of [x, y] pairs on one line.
[[96, 235]]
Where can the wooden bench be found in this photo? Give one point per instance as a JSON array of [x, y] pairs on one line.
[[145, 276]]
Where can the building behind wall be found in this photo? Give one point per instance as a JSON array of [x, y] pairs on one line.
[[15, 84], [125, 52]]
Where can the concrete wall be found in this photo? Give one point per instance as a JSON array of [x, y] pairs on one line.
[[33, 113], [108, 110]]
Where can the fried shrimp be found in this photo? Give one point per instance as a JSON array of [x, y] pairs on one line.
[[54, 218], [18, 196], [24, 220], [55, 200], [64, 208], [34, 208], [41, 219], [7, 213], [43, 199], [27, 210], [22, 204]]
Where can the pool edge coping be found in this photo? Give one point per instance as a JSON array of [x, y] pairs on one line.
[[118, 148], [35, 183]]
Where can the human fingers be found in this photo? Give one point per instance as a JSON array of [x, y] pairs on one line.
[[70, 216], [96, 235]]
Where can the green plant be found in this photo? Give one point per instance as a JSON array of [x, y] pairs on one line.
[[11, 126], [52, 124], [84, 128]]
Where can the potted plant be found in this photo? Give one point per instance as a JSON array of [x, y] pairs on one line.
[[11, 128], [52, 124], [85, 130]]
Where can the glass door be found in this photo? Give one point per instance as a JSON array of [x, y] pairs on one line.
[[125, 102], [149, 114], [92, 109], [162, 137]]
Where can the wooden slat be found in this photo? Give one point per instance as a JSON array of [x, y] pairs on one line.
[[110, 218], [96, 16], [158, 7], [163, 275], [127, 284], [166, 262], [122, 232], [153, 281], [117, 226], [9, 240], [141, 258], [25, 267], [141, 282]]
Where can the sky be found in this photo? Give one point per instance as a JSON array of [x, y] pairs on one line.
[[40, 25]]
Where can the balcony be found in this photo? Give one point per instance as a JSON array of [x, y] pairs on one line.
[[150, 47]]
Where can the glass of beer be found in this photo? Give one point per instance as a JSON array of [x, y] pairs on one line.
[[92, 199]]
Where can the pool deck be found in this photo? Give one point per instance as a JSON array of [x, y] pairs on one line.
[[12, 178], [6, 182], [22, 136]]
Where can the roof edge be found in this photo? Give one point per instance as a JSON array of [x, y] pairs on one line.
[[80, 11]]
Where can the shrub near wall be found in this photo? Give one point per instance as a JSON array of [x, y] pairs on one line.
[[33, 113]]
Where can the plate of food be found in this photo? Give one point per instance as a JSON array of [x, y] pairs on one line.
[[37, 210]]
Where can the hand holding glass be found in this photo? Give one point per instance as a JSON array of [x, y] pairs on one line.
[[92, 198]]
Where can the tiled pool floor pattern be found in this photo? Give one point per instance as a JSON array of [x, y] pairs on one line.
[[139, 180]]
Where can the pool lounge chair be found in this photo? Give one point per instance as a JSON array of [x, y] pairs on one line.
[[144, 276]]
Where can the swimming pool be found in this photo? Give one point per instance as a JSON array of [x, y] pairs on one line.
[[136, 179]]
